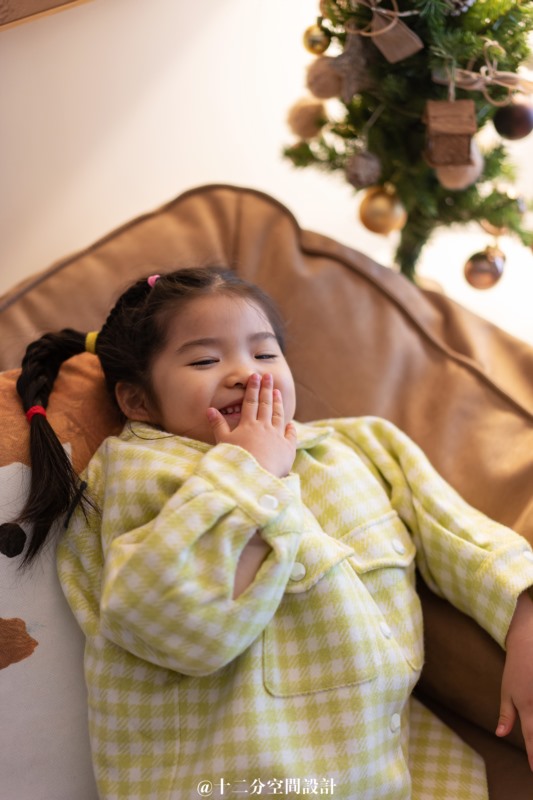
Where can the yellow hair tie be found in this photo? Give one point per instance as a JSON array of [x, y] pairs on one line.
[[90, 342]]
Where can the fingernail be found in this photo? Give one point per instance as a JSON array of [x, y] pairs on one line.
[[267, 377], [254, 377], [500, 730], [211, 414]]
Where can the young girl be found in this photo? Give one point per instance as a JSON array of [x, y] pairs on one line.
[[245, 582]]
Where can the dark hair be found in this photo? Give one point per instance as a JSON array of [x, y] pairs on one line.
[[132, 335]]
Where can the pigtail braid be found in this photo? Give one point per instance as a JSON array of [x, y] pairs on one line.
[[54, 485]]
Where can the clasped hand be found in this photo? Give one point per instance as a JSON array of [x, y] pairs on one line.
[[261, 430]]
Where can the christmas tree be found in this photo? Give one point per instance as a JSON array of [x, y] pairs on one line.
[[413, 84]]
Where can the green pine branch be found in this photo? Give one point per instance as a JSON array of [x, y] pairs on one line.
[[395, 105]]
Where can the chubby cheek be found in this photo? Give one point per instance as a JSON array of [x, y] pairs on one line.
[[290, 410], [194, 416], [288, 394]]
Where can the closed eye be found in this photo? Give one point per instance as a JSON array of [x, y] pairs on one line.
[[203, 362], [266, 356]]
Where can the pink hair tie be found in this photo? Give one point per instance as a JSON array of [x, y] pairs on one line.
[[152, 279], [31, 412]]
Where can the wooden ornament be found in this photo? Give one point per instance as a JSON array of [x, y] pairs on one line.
[[450, 127], [396, 41], [393, 38]]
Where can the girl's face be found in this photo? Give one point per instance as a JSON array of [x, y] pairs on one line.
[[214, 343]]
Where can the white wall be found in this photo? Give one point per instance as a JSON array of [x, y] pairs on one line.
[[113, 107]]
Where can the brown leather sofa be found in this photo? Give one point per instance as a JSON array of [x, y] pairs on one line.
[[361, 340]]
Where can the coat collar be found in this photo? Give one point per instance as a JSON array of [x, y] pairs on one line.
[[309, 435]]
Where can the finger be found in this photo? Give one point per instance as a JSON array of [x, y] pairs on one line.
[[264, 411], [251, 397], [218, 424], [290, 433], [507, 717], [278, 413]]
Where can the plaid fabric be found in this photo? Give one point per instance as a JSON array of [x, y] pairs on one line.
[[440, 764], [302, 684]]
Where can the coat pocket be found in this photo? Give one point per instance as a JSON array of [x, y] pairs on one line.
[[324, 638]]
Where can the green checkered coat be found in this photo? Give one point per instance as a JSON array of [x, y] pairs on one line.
[[301, 685]]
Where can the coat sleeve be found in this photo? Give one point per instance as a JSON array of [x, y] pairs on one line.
[[478, 565], [166, 585]]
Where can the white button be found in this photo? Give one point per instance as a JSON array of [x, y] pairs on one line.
[[395, 723], [528, 554], [398, 546], [385, 630], [298, 571], [269, 501]]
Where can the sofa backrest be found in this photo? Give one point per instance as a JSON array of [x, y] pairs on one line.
[[361, 340]]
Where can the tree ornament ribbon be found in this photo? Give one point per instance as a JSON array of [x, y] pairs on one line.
[[391, 36], [483, 80]]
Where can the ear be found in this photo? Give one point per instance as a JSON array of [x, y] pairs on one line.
[[133, 403]]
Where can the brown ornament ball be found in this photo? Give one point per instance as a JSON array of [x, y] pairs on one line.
[[483, 270], [323, 78], [363, 169], [306, 117], [514, 121], [381, 210], [316, 40]]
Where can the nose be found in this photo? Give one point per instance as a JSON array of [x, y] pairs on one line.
[[238, 377], [239, 374]]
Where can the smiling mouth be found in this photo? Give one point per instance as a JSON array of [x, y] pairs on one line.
[[229, 410]]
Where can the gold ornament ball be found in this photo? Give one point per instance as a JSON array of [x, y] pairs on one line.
[[483, 270], [381, 210], [316, 40]]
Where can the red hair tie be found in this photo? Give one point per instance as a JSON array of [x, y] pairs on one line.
[[31, 412]]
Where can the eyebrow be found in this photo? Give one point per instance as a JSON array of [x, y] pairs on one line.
[[210, 341]]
